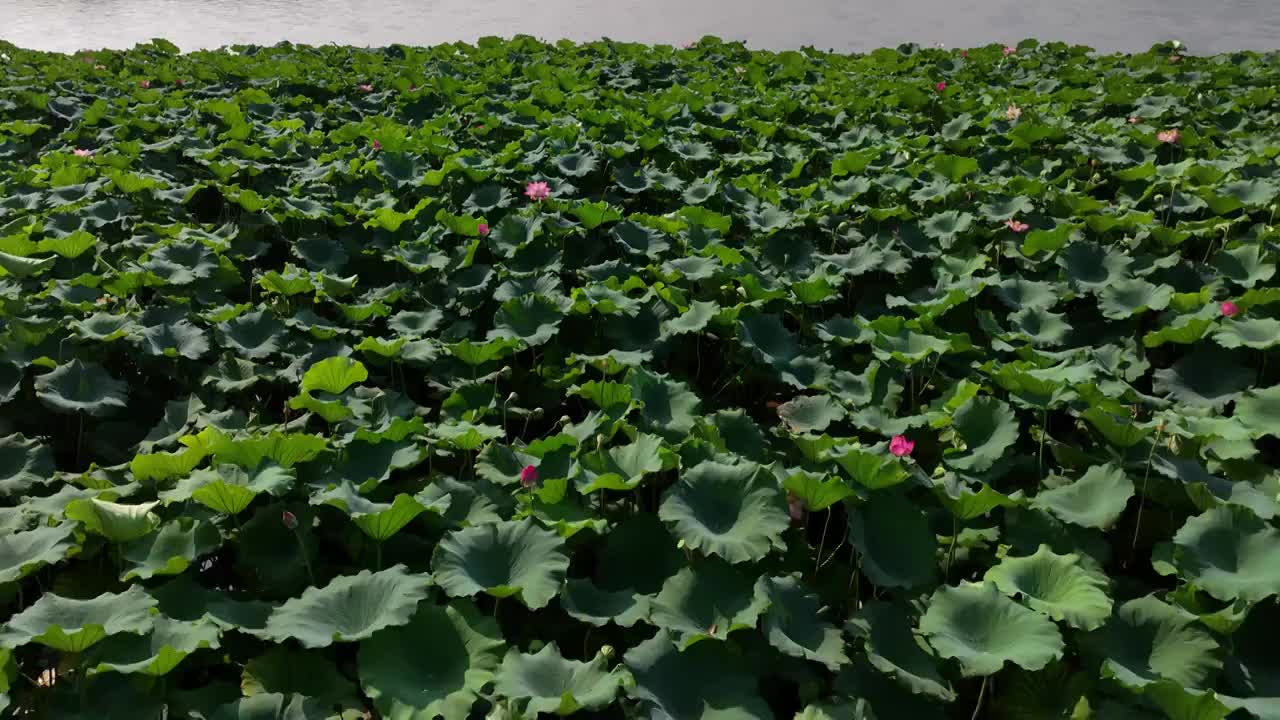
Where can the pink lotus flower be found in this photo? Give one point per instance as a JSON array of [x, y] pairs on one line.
[[81, 152], [795, 507], [365, 88], [1174, 58], [529, 476], [483, 229], [144, 84], [1013, 112], [1009, 50], [537, 191], [1133, 120], [104, 300], [289, 520], [1170, 137], [942, 85], [1016, 226], [901, 446], [964, 53], [178, 82], [377, 145], [1230, 309], [413, 88]]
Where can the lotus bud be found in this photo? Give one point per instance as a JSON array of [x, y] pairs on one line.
[[289, 519], [1158, 197], [1175, 444], [537, 412], [599, 441], [529, 476], [606, 651], [511, 398]]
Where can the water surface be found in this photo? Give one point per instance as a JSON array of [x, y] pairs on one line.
[[857, 25]]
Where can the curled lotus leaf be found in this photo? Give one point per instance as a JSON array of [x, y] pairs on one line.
[[705, 682], [548, 683], [734, 511], [1056, 585], [895, 541], [117, 522], [894, 648], [73, 625], [158, 652], [1096, 500], [81, 387], [378, 520], [23, 464], [170, 550], [1147, 641], [988, 428], [434, 665], [502, 559], [982, 630], [351, 607], [708, 600], [23, 552], [1231, 553], [792, 624]]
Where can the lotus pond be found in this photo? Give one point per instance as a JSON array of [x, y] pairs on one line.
[[627, 381]]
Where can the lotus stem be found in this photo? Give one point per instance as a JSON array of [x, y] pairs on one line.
[[79, 438], [951, 551], [378, 553], [982, 692], [821, 543], [306, 559], [1142, 496], [1044, 430]]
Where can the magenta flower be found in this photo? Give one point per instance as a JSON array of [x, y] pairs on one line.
[[964, 53], [1016, 226], [81, 152], [1169, 137], [365, 88], [795, 507], [537, 191], [377, 145], [1009, 50], [529, 476], [1230, 309], [901, 446], [942, 85], [483, 229], [144, 84], [289, 520]]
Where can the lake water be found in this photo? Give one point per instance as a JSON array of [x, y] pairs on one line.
[[857, 25]]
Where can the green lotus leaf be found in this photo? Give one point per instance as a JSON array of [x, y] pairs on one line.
[[709, 600], [792, 624], [169, 551], [1125, 298], [229, 489], [894, 649], [115, 521], [233, 374], [23, 267], [640, 554], [166, 465], [667, 406], [351, 607], [705, 682], [1056, 585], [334, 375], [284, 669], [945, 226], [895, 541], [988, 428], [1121, 431], [183, 263], [965, 503], [585, 602], [378, 520], [81, 387], [255, 336], [103, 327], [734, 511], [810, 413], [1258, 410], [1146, 641], [982, 630], [1256, 333], [368, 464], [1095, 500], [23, 464], [1230, 553], [623, 467], [639, 239], [502, 559], [175, 339], [818, 491], [1244, 265], [548, 683], [270, 706], [73, 626], [158, 652], [434, 666], [1090, 267], [531, 319], [1205, 378], [23, 552], [872, 470]]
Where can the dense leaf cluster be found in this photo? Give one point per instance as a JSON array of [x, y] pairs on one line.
[[280, 335]]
